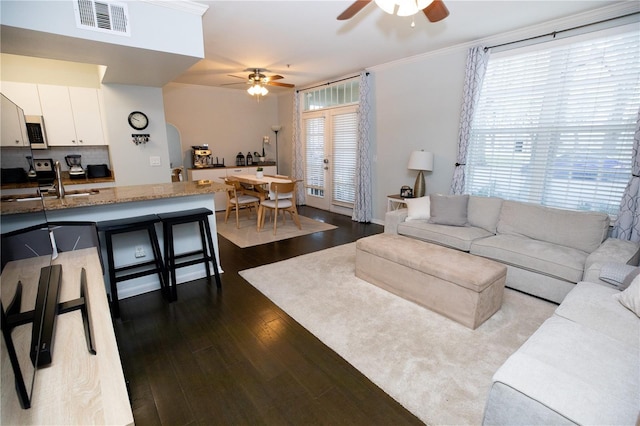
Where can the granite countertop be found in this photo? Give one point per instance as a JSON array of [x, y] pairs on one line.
[[104, 196], [66, 181]]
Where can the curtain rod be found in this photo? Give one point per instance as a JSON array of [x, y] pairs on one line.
[[331, 82], [554, 33]]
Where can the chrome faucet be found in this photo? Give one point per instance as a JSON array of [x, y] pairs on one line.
[[57, 185]]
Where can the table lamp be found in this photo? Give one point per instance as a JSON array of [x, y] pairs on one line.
[[421, 161]]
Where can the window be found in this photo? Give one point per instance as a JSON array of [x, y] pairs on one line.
[[554, 123], [330, 139], [342, 93]]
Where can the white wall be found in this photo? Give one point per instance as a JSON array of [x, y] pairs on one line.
[[131, 162], [416, 106], [229, 121], [161, 26]]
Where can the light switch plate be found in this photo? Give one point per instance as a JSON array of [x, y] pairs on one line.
[[154, 161]]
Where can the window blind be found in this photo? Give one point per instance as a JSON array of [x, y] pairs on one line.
[[345, 145], [555, 125], [314, 151]]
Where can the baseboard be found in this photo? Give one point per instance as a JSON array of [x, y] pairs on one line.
[[150, 282]]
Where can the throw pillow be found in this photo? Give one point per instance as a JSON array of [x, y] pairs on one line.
[[616, 274], [630, 298], [629, 278], [449, 209], [418, 208]]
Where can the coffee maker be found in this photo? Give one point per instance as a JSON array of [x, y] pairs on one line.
[[75, 166], [202, 157]]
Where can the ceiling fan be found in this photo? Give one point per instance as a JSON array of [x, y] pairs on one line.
[[434, 11], [258, 78]]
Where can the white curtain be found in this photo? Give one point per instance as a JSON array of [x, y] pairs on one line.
[[627, 225], [297, 159], [477, 60], [362, 206]]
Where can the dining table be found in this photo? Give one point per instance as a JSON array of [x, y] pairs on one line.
[[259, 186]]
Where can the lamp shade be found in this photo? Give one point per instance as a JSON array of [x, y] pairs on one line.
[[421, 160]]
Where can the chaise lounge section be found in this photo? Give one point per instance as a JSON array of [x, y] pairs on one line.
[[582, 366]]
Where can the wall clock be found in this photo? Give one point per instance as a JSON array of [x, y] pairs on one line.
[[138, 120]]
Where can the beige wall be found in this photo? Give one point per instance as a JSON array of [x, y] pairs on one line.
[[229, 121]]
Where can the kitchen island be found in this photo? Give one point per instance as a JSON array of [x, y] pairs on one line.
[[122, 202]]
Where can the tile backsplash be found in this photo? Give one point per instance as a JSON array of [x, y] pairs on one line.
[[16, 157]]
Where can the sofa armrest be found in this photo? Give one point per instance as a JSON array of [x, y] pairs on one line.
[[611, 250], [394, 218]]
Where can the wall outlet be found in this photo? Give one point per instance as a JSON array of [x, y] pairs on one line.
[[154, 161], [140, 252]]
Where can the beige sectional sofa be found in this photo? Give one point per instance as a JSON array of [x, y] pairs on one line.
[[582, 366], [546, 250]]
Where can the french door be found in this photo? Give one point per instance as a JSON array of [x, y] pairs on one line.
[[330, 141]]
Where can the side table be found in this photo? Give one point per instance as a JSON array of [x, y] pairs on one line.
[[395, 202]]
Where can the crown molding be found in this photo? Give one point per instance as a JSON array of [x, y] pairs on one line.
[[188, 6]]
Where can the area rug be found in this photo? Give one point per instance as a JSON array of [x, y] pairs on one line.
[[247, 236], [436, 368]]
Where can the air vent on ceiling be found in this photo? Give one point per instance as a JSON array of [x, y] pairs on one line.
[[103, 16]]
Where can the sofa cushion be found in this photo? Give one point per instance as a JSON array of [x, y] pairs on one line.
[[457, 237], [630, 298], [539, 256], [449, 209], [484, 212], [586, 376], [580, 230], [418, 208], [594, 306]]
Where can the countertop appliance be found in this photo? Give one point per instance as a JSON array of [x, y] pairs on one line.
[[36, 132], [75, 166], [45, 173], [202, 157], [98, 171]]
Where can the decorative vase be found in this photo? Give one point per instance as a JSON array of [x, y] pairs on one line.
[[260, 175]]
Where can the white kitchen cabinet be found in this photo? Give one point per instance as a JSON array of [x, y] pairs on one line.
[[214, 175], [72, 115], [25, 95], [14, 131], [87, 115]]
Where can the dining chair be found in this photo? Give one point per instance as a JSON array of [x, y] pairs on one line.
[[282, 197], [239, 197]]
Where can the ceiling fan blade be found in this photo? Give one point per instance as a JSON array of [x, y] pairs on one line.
[[274, 77], [235, 76], [353, 9], [233, 84], [436, 11], [276, 83]]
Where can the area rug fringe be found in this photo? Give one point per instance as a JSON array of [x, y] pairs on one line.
[[439, 370]]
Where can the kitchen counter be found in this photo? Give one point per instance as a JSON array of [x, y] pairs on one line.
[[114, 195], [254, 164], [66, 180], [123, 202]]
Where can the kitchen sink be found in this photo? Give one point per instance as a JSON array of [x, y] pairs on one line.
[[32, 197]]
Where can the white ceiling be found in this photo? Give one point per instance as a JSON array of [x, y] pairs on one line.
[[303, 41]]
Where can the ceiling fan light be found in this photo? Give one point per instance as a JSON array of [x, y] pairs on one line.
[[388, 6], [407, 7], [263, 91]]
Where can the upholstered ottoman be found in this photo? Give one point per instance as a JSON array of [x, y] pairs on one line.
[[463, 287]]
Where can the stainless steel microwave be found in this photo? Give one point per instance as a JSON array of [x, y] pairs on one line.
[[36, 131]]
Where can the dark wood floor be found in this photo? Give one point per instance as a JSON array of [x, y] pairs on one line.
[[233, 357]]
